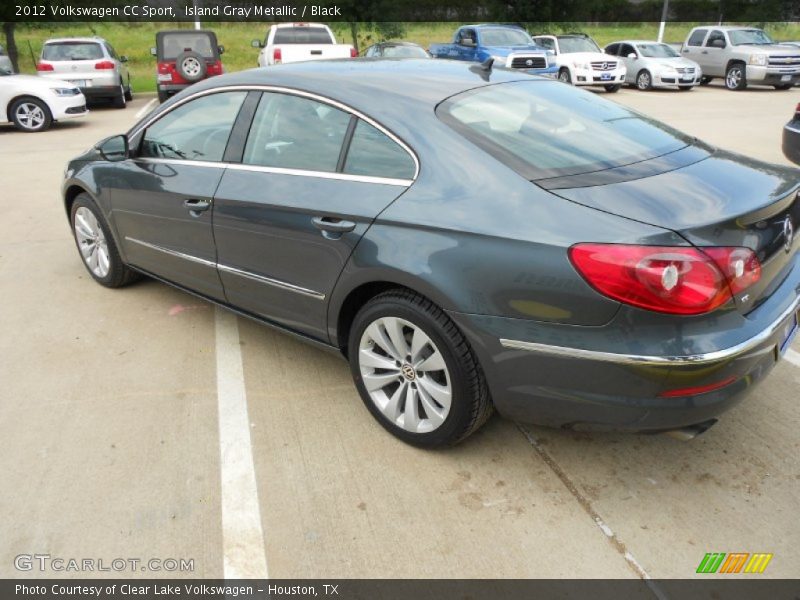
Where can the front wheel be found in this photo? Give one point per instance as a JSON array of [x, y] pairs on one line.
[[30, 115], [784, 86], [735, 79], [611, 89], [564, 76], [96, 246], [415, 371], [705, 80], [644, 81], [686, 88]]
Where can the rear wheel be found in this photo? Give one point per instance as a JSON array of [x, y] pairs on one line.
[[121, 99], [129, 92], [735, 77], [686, 88], [705, 80], [644, 81], [415, 371], [784, 86], [564, 76], [96, 246], [162, 96], [30, 115]]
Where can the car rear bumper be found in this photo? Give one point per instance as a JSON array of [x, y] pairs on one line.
[[614, 377], [101, 91], [791, 141]]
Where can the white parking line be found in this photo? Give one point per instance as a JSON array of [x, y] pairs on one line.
[[793, 357], [145, 109], [242, 535]]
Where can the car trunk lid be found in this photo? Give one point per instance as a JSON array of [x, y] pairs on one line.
[[720, 200]]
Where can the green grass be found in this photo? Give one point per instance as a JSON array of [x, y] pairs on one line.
[[135, 39]]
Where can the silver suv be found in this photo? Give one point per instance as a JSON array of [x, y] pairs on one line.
[[742, 55], [91, 63]]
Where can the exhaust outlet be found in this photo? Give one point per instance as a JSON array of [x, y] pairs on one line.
[[690, 432]]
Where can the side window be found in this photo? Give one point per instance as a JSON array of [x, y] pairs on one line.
[[716, 36], [197, 130], [292, 132], [612, 49], [375, 154], [626, 49], [546, 43], [466, 34], [697, 37]]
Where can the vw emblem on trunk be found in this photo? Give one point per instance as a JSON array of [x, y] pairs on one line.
[[788, 234], [529, 63]]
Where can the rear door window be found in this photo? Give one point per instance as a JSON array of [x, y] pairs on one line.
[[375, 154], [293, 132], [197, 130], [697, 37], [72, 51]]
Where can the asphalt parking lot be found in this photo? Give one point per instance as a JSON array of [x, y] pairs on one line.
[[117, 406]]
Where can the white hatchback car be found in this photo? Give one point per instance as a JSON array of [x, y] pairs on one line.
[[32, 103]]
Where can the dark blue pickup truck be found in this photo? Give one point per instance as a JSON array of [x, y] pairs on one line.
[[510, 46]]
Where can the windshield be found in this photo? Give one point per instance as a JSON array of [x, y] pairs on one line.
[[173, 44], [302, 35], [72, 51], [657, 51], [505, 37], [404, 52], [571, 44], [544, 129], [749, 36]]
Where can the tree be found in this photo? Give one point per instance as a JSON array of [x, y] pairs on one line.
[[11, 44]]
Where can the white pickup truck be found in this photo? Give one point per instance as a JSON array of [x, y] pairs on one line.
[[295, 42]]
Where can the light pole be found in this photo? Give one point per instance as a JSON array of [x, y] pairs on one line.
[[663, 21], [196, 15]]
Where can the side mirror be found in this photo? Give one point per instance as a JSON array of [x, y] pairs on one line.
[[256, 44], [632, 55], [153, 50], [123, 58], [115, 148], [221, 49]]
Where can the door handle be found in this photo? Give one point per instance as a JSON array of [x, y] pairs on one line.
[[196, 206], [332, 225]]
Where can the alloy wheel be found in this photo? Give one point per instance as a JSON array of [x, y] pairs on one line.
[[405, 374], [92, 242], [30, 115], [643, 81], [734, 78]]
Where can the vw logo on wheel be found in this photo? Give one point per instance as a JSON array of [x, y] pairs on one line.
[[408, 372], [788, 234]]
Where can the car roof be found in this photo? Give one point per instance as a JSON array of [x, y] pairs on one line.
[[727, 27], [508, 25], [637, 42], [96, 40], [397, 43]]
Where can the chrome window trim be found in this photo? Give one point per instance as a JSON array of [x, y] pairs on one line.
[[140, 127], [636, 359], [233, 270], [278, 171]]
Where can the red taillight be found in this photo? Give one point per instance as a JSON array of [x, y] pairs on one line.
[[163, 67], [215, 68], [699, 389], [276, 56], [677, 280], [44, 67], [104, 64], [353, 53]]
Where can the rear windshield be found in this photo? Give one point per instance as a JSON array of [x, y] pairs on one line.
[[173, 44], [302, 35], [72, 51], [545, 129]]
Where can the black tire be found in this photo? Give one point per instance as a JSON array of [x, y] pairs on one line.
[[686, 88], [129, 92], [121, 99], [191, 66], [644, 80], [564, 76], [613, 89], [736, 77], [119, 274], [162, 96], [26, 124], [705, 80], [471, 403], [784, 86]]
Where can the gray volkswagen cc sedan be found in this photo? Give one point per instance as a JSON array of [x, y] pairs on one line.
[[468, 238]]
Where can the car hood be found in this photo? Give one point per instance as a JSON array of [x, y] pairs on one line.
[[506, 50], [772, 49], [32, 82]]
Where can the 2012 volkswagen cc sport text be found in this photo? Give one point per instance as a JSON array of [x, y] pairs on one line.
[[469, 238]]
